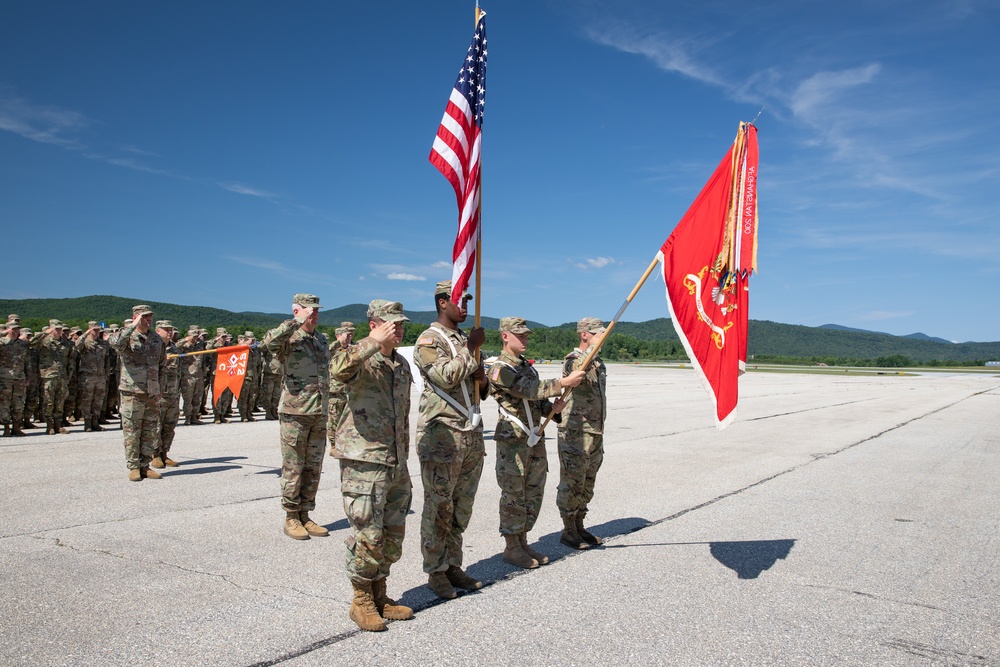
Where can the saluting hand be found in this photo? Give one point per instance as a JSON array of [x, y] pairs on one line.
[[383, 333]]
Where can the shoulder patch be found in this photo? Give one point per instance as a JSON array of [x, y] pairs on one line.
[[425, 340], [495, 375]]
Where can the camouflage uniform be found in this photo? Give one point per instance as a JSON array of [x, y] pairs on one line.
[[222, 404], [168, 406], [192, 374], [72, 370], [248, 394], [52, 363], [523, 402], [14, 360], [303, 409], [143, 359], [32, 404], [271, 385], [581, 434], [92, 383], [373, 443], [111, 399], [338, 391], [450, 448]]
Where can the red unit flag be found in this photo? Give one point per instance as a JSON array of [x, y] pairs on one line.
[[230, 369], [707, 262]]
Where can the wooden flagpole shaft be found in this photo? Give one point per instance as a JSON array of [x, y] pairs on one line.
[[594, 349], [215, 351], [479, 249]]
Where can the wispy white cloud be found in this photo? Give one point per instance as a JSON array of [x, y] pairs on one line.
[[404, 276], [279, 269], [669, 53], [441, 265], [594, 263], [241, 189], [42, 123]]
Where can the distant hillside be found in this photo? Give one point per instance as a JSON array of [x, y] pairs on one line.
[[650, 339], [917, 336]]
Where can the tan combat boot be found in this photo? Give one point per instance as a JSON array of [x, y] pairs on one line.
[[95, 424], [151, 474], [313, 528], [134, 475], [294, 528], [6, 430], [541, 558], [587, 536], [569, 536], [50, 429], [15, 429], [439, 584], [386, 606], [157, 462], [169, 462], [363, 611], [459, 578], [515, 554]]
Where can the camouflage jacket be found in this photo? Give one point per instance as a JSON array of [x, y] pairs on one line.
[[94, 356], [14, 359], [270, 363], [53, 356], [170, 378], [514, 383], [143, 357], [304, 358], [449, 368], [586, 406], [375, 426], [191, 366]]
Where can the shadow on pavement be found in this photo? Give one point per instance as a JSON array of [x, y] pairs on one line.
[[218, 459], [185, 470], [749, 558]]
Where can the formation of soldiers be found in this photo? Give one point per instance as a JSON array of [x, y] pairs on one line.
[[356, 396]]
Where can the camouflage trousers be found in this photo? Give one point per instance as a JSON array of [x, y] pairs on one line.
[[521, 473], [338, 403], [140, 426], [31, 403], [192, 388], [270, 393], [247, 401], [451, 463], [223, 404], [580, 457], [205, 386], [169, 411], [376, 501], [54, 395], [91, 391], [303, 439], [12, 401], [69, 405], [111, 397]]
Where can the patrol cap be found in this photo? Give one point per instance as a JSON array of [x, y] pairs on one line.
[[345, 327], [221, 331], [165, 324], [193, 331], [25, 331], [591, 324], [56, 324], [248, 334], [76, 330], [113, 327], [93, 324], [515, 325], [307, 300], [444, 287], [387, 311], [140, 310], [128, 322], [7, 325], [13, 317]]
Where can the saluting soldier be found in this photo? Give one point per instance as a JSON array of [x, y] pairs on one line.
[[14, 360], [522, 400], [52, 363], [192, 375], [92, 382], [143, 359], [344, 336], [32, 409], [169, 404], [373, 443], [303, 409]]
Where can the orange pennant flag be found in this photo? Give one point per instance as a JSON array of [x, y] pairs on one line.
[[230, 369]]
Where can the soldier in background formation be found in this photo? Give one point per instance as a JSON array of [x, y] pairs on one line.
[[192, 374], [168, 405], [92, 377], [222, 405], [270, 388], [449, 440], [522, 400], [581, 437], [373, 444], [53, 369], [14, 369], [344, 336], [303, 409], [247, 402], [143, 361]]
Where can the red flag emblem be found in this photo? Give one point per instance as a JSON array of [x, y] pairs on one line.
[[230, 369]]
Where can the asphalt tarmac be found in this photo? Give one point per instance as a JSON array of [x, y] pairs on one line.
[[841, 520]]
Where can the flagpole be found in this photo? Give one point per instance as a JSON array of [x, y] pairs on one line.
[[479, 245], [611, 325]]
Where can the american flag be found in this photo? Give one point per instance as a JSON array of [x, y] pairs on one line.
[[456, 154]]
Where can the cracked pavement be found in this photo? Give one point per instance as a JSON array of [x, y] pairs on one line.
[[840, 520]]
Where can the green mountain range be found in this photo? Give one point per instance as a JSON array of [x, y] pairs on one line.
[[768, 341]]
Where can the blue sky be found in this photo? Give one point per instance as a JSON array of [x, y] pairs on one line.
[[230, 154]]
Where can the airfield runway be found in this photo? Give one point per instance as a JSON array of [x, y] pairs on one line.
[[842, 520]]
